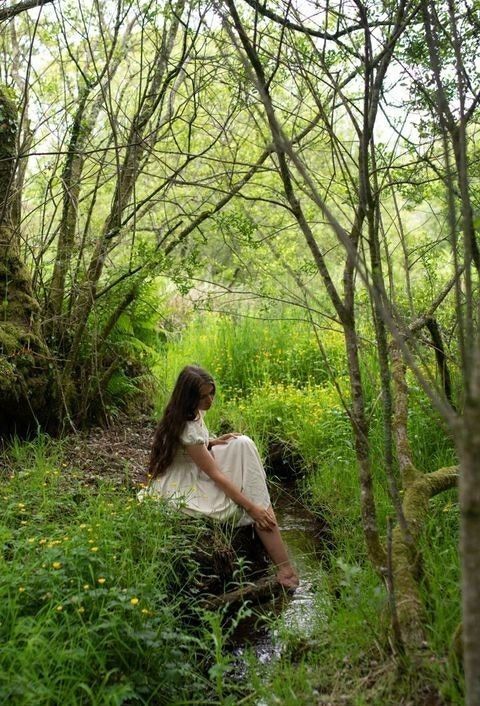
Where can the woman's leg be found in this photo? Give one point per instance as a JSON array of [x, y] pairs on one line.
[[239, 459], [276, 550]]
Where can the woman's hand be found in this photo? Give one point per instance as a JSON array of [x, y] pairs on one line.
[[263, 517], [224, 439]]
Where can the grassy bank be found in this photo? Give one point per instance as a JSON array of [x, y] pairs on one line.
[[95, 599]]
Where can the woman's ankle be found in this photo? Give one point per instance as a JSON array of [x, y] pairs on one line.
[[287, 575]]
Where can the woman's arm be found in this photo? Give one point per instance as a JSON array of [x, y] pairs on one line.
[[263, 517]]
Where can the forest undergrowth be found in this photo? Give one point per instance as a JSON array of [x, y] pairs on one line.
[[274, 385], [96, 602]]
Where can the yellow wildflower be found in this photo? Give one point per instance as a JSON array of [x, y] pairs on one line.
[[101, 580], [21, 589], [57, 564], [134, 601], [94, 549], [59, 608], [86, 586]]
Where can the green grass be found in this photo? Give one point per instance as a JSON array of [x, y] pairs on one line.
[[440, 587], [244, 353], [95, 606]]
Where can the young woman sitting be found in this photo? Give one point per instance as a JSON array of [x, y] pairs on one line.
[[220, 478]]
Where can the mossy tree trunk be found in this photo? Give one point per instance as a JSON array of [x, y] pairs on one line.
[[25, 386], [405, 554], [418, 489]]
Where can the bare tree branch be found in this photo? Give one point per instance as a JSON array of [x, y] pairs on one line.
[[7, 13]]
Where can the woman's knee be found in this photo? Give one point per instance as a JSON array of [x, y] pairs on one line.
[[244, 440]]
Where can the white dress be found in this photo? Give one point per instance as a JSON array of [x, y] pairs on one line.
[[195, 493]]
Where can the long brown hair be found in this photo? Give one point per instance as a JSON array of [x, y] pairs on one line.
[[181, 408]]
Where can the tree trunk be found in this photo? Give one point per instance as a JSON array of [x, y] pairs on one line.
[[24, 380], [418, 489], [375, 548], [71, 182], [469, 453]]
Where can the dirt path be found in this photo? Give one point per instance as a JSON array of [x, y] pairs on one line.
[[119, 452]]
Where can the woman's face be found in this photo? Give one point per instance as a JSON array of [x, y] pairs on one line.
[[207, 393]]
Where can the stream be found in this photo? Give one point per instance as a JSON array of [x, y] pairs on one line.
[[299, 613]]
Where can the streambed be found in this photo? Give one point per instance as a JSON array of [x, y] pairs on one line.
[[299, 614]]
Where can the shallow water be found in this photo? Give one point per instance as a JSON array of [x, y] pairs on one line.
[[299, 613]]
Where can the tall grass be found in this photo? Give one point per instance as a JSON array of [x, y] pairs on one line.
[[94, 599], [273, 383], [244, 353]]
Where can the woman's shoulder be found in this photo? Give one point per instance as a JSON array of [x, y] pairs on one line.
[[195, 423], [194, 432]]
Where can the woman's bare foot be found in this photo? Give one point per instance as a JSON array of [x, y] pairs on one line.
[[287, 578]]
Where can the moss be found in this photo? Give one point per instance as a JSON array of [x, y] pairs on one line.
[[18, 305], [25, 377], [25, 361], [8, 94], [8, 375], [24, 374], [8, 107], [14, 270], [8, 133], [9, 337]]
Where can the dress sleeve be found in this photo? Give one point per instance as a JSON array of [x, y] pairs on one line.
[[192, 435]]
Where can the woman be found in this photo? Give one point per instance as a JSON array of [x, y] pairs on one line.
[[220, 478]]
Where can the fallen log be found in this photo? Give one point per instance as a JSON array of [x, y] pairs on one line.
[[265, 588]]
